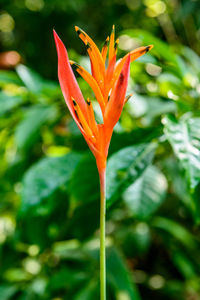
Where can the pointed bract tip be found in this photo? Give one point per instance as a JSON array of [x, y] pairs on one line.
[[106, 41], [148, 48], [79, 30], [74, 64], [116, 43], [57, 40], [128, 97], [88, 101], [55, 34]]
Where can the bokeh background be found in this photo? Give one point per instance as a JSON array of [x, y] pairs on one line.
[[49, 190]]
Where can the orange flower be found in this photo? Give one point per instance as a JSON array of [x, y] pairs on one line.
[[108, 84]]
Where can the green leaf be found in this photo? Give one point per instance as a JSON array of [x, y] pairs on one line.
[[85, 181], [149, 108], [70, 249], [7, 77], [43, 178], [90, 292], [134, 239], [119, 276], [178, 183], [146, 194], [8, 102], [184, 136], [192, 58], [67, 278], [30, 78], [161, 49], [184, 264], [28, 130], [7, 292], [125, 166], [176, 230]]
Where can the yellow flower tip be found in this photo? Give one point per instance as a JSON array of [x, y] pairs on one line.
[[77, 28], [113, 27], [148, 48], [74, 64], [88, 101], [116, 43], [106, 42], [127, 98]]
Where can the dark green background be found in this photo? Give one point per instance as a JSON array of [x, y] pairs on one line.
[[49, 190]]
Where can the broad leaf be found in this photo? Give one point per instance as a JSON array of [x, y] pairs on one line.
[[119, 276], [146, 195], [8, 102], [125, 166], [85, 181], [184, 136], [184, 264], [28, 130], [68, 278], [176, 230], [8, 77], [43, 178], [149, 108], [192, 58], [161, 49], [30, 78], [89, 292], [7, 291]]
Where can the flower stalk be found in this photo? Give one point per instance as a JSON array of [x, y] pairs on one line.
[[102, 177]]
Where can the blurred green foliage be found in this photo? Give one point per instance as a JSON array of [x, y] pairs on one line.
[[49, 190], [26, 25]]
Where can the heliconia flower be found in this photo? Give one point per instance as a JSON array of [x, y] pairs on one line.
[[109, 85]]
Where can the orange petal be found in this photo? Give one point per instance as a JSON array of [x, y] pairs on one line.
[[134, 55], [111, 46], [83, 121], [116, 102], [108, 77], [92, 82], [105, 49], [95, 56], [92, 121]]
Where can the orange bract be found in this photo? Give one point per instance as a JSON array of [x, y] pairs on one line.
[[108, 84]]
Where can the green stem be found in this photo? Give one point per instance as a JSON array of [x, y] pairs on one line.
[[102, 176]]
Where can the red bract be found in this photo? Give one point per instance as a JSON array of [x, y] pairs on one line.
[[108, 84]]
